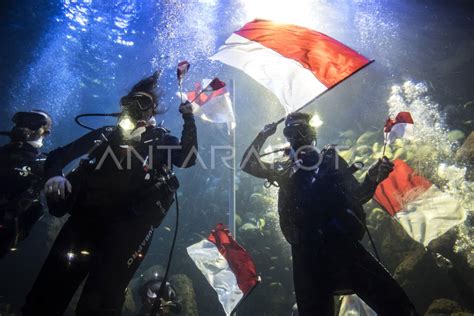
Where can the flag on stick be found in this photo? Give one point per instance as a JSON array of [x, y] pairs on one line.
[[423, 210], [297, 64], [214, 107], [226, 265], [400, 127]]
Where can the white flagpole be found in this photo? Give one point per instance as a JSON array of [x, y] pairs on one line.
[[232, 203]]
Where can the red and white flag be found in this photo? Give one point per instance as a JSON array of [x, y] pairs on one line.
[[424, 211], [215, 106], [400, 127], [226, 265], [295, 63]]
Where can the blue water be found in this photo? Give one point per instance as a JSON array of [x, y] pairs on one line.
[[70, 57]]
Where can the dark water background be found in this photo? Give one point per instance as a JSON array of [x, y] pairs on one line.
[[71, 57]]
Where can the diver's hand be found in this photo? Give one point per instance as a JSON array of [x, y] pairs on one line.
[[186, 107], [380, 170], [269, 130], [56, 187]]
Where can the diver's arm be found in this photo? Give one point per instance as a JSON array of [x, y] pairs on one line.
[[185, 156], [378, 172], [61, 156], [251, 162], [365, 190]]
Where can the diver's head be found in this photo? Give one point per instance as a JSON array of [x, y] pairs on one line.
[[298, 130], [138, 107], [31, 127]]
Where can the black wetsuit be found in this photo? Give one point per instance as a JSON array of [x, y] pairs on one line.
[[117, 205], [21, 174], [321, 216]]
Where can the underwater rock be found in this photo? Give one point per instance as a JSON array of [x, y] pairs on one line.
[[466, 152], [129, 306], [424, 280], [248, 227], [456, 135], [444, 307], [261, 202], [347, 155], [462, 273], [367, 138], [185, 291], [391, 240], [350, 134], [238, 220], [465, 155]]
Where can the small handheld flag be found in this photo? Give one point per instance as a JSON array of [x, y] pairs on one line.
[[181, 71], [213, 107], [400, 127]]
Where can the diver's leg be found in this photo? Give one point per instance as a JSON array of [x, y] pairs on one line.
[[61, 273], [374, 284], [312, 288], [120, 253]]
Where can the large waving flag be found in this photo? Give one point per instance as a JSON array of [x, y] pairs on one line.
[[214, 107], [424, 211], [295, 63], [226, 265]]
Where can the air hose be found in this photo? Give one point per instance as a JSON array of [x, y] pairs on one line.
[[157, 304], [78, 122]]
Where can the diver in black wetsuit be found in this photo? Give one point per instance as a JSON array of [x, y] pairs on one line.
[[149, 293], [21, 174], [321, 216], [116, 197]]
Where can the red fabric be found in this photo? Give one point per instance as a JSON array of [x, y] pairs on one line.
[[329, 60], [402, 117], [401, 187], [238, 258], [217, 84], [203, 98], [182, 69]]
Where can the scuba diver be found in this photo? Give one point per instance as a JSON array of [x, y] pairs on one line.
[[21, 171], [321, 216], [149, 293], [116, 197]]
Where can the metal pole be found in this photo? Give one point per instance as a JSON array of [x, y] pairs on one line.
[[232, 173]]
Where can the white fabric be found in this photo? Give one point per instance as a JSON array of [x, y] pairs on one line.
[[400, 130], [431, 215], [217, 110], [216, 269], [352, 305], [293, 84]]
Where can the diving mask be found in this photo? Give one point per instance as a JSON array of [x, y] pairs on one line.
[[299, 131]]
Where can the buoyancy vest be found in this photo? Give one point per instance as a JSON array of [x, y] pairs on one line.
[[114, 181], [318, 201]]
